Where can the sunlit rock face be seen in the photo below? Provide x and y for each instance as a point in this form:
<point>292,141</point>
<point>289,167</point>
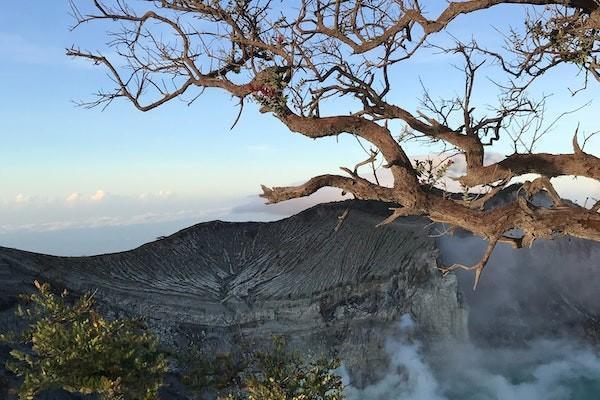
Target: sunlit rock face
<point>227,286</point>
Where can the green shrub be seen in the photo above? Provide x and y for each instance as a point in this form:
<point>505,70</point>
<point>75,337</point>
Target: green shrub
<point>70,346</point>
<point>200,373</point>
<point>281,375</point>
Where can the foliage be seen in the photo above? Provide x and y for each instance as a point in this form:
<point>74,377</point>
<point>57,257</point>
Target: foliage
<point>431,174</point>
<point>199,373</point>
<point>267,89</point>
<point>281,375</point>
<point>70,346</point>
<point>570,37</point>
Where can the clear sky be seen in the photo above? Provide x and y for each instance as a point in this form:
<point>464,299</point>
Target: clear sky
<point>75,181</point>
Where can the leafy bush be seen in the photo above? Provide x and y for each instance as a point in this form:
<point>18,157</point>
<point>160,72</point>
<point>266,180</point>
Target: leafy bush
<point>200,373</point>
<point>72,347</point>
<point>280,375</point>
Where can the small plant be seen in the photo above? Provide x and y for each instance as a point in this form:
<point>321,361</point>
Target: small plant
<point>431,174</point>
<point>267,89</point>
<point>74,348</point>
<point>281,375</point>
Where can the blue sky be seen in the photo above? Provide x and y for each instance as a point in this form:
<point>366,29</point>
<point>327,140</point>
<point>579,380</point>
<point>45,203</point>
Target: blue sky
<point>64,169</point>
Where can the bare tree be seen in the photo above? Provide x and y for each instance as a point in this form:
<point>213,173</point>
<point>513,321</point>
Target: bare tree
<point>293,57</point>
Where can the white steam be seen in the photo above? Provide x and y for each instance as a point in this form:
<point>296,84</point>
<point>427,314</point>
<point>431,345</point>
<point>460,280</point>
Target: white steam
<point>409,378</point>
<point>544,369</point>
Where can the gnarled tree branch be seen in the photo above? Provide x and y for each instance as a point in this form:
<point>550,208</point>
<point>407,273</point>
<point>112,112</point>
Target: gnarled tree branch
<point>295,62</point>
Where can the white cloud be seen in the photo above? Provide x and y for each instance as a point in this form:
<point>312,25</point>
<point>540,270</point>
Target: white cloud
<point>164,193</point>
<point>77,210</point>
<point>25,213</point>
<point>160,195</point>
<point>114,221</point>
<point>583,191</point>
<point>98,196</point>
<point>21,199</point>
<point>73,198</point>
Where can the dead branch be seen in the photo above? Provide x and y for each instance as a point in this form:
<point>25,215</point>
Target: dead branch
<point>478,267</point>
<point>341,219</point>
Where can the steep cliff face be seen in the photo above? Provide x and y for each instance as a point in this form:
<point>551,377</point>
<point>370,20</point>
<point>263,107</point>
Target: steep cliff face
<point>229,284</point>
